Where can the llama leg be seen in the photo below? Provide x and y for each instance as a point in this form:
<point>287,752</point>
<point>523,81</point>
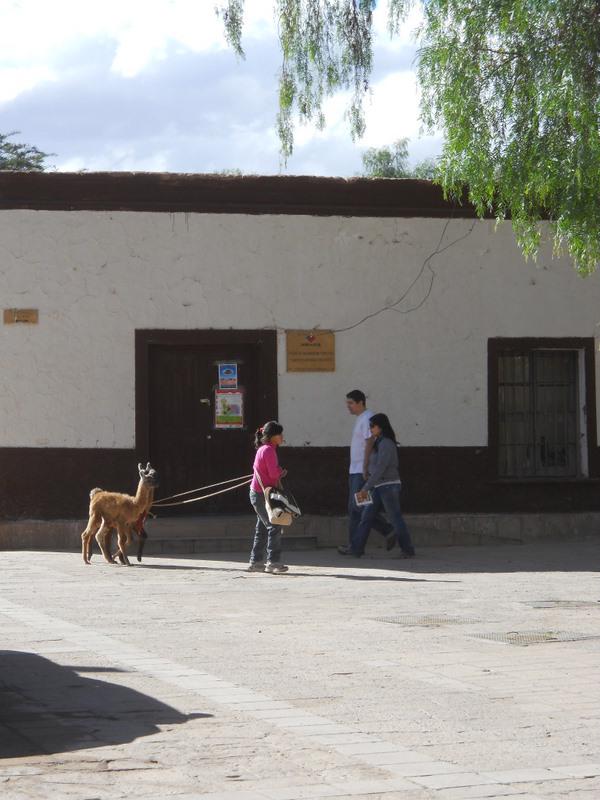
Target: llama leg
<point>142,541</point>
<point>108,540</point>
<point>119,553</point>
<point>86,537</point>
<point>103,539</point>
<point>123,541</point>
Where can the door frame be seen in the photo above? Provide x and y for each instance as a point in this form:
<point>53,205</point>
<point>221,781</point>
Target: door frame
<point>145,339</point>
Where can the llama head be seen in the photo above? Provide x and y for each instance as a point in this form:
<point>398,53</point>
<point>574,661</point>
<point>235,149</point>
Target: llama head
<point>148,475</point>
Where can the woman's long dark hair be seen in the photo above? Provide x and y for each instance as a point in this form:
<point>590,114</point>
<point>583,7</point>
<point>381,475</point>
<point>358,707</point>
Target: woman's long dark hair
<point>263,435</point>
<point>387,432</point>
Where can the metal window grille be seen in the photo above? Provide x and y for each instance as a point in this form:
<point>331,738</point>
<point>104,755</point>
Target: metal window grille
<point>538,414</point>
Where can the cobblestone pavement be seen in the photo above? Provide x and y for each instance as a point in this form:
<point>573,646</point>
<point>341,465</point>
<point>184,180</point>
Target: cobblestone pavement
<point>465,673</point>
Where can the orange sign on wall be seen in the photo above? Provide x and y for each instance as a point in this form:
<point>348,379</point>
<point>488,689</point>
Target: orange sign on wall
<point>28,316</point>
<point>310,351</point>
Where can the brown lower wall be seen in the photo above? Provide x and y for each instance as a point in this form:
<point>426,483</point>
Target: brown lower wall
<point>54,483</point>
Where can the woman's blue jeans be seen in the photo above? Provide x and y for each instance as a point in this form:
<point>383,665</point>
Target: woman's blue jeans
<point>380,524</point>
<point>385,497</point>
<point>266,536</point>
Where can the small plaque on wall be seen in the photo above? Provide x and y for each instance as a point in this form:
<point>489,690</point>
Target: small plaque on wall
<point>27,316</point>
<point>310,351</point>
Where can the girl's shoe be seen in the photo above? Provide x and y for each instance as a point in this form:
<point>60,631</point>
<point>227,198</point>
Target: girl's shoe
<point>276,569</point>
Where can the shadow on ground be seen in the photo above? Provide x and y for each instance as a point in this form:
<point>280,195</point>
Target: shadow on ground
<point>540,557</point>
<point>48,708</point>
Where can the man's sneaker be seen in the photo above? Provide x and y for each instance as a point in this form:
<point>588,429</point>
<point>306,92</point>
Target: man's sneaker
<point>344,550</point>
<point>390,541</point>
<point>276,569</point>
<point>255,566</point>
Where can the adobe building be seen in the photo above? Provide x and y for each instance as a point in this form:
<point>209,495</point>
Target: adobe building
<point>164,317</point>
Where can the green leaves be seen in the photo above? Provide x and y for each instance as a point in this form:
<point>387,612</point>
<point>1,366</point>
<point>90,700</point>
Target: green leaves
<point>20,157</point>
<point>232,14</point>
<point>518,100</point>
<point>514,85</point>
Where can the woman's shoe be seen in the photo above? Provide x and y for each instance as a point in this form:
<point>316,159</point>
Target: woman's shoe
<point>276,569</point>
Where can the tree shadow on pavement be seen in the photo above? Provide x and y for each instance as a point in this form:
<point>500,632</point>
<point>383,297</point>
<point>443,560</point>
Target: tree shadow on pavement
<point>48,708</point>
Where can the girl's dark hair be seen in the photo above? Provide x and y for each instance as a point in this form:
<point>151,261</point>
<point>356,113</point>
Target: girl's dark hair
<point>262,435</point>
<point>387,432</point>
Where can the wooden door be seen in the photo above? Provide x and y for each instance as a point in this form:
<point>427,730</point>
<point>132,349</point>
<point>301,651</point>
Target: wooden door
<point>185,444</point>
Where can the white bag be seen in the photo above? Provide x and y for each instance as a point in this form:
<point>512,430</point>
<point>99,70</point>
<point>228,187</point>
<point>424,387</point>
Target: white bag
<point>276,513</point>
<point>281,509</point>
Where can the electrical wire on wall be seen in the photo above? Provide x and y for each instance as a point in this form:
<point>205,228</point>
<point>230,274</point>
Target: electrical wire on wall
<point>426,265</point>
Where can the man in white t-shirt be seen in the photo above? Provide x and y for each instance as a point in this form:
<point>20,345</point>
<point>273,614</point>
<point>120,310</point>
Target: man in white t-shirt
<point>360,448</point>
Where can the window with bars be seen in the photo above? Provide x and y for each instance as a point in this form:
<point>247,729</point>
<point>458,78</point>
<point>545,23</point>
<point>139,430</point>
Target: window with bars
<point>538,413</point>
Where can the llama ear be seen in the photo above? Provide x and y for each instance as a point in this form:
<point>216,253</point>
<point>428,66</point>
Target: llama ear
<point>140,468</point>
<point>148,467</point>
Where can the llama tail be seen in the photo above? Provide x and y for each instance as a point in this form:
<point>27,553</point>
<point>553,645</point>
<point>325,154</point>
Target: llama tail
<point>95,491</point>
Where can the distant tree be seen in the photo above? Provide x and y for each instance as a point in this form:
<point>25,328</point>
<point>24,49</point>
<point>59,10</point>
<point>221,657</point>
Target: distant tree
<point>387,162</point>
<point>392,162</point>
<point>21,157</point>
<point>426,170</point>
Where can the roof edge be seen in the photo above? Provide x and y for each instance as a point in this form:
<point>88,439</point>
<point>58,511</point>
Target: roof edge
<point>226,194</point>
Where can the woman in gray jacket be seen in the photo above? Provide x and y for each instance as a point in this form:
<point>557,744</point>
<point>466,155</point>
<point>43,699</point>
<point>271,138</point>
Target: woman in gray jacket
<point>384,484</point>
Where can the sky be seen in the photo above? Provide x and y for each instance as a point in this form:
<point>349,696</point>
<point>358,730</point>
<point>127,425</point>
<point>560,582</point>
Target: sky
<point>151,85</point>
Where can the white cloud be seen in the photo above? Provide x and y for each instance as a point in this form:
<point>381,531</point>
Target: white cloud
<point>34,34</point>
<point>391,112</point>
<point>153,85</point>
<point>16,80</point>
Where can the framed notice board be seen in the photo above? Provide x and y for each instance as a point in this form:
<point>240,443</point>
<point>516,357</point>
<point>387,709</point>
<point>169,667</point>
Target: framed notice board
<point>310,351</point>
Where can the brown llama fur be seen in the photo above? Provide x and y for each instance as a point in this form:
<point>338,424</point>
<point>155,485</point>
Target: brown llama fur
<point>110,510</point>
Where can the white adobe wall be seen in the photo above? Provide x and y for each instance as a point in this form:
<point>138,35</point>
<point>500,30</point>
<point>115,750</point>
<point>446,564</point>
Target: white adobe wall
<point>97,276</point>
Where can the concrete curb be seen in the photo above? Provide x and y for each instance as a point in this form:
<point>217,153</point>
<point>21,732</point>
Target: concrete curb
<point>234,533</point>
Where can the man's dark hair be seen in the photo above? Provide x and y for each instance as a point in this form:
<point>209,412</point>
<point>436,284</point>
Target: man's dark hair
<point>357,396</point>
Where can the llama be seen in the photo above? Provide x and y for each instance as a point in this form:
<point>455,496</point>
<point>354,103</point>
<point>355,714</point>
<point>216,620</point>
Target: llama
<point>110,510</point>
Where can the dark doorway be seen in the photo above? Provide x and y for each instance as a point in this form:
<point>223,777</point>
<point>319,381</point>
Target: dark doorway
<point>176,428</point>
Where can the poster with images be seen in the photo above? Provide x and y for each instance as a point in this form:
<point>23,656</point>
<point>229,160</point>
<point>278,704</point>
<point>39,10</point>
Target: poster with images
<point>229,408</point>
<point>228,376</point>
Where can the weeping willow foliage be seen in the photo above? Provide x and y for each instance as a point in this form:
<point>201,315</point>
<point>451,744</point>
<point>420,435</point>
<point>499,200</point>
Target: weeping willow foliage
<point>513,84</point>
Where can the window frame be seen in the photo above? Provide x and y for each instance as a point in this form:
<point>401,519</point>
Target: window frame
<point>587,452</point>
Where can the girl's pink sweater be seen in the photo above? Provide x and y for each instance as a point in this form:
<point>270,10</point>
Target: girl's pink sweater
<point>267,466</point>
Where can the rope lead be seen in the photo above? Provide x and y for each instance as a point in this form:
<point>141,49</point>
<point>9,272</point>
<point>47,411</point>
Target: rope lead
<point>204,497</point>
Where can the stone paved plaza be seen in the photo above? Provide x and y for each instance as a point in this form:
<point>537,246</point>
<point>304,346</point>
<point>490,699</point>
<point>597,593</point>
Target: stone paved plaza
<point>465,673</point>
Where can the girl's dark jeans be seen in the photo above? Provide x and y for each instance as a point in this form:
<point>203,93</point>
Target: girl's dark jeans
<point>266,536</point>
<point>385,497</point>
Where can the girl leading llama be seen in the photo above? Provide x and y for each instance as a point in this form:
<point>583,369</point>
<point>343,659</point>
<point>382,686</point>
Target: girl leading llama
<point>266,468</point>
